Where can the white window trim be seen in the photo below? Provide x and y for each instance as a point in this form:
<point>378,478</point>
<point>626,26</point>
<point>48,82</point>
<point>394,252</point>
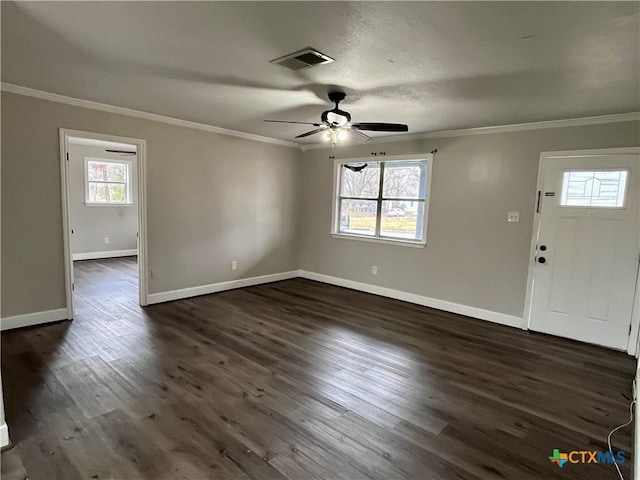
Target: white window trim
<point>128,163</point>
<point>335,220</point>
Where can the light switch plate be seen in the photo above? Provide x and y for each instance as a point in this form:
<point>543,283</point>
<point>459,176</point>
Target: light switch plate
<point>513,217</point>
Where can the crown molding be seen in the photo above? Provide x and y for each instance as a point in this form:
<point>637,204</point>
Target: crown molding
<point>517,127</point>
<point>570,122</point>
<point>76,102</point>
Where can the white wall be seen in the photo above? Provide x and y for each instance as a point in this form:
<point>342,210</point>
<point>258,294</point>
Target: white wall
<point>91,224</point>
<point>211,199</point>
<point>473,257</point>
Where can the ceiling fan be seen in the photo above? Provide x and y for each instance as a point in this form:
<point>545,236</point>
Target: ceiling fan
<point>336,123</point>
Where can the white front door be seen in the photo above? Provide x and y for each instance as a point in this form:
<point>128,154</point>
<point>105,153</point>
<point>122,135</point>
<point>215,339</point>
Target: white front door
<point>587,249</point>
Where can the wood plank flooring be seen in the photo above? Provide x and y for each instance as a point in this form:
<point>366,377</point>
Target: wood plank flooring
<point>299,380</point>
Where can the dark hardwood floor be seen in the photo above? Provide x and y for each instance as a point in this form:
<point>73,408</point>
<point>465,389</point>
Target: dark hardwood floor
<point>299,380</point>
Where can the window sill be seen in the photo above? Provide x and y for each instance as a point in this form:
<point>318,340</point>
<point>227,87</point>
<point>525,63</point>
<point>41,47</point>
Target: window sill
<point>88,204</point>
<point>388,241</point>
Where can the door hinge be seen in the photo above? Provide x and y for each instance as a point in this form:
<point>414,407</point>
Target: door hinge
<point>629,329</point>
<point>73,287</point>
<point>67,156</point>
<point>538,205</point>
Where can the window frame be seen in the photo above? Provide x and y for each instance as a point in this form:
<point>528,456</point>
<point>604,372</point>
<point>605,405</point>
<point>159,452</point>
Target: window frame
<point>335,232</point>
<point>128,182</point>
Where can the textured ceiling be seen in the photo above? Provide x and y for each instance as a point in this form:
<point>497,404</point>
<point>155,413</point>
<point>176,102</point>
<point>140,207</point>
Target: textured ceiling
<point>432,65</point>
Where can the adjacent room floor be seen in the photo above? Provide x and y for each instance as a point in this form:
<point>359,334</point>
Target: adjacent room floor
<point>299,380</point>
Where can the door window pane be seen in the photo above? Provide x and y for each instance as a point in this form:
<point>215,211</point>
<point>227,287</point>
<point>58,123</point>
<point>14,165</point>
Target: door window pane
<point>588,188</point>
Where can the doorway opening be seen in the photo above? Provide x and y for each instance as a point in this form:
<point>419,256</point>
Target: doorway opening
<point>104,222</point>
<point>585,252</point>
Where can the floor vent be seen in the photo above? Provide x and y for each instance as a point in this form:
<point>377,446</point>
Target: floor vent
<point>306,58</point>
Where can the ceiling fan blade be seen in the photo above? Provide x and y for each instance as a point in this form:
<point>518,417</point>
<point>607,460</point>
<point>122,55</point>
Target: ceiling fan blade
<point>317,130</point>
<point>286,121</point>
<point>362,136</point>
<point>381,127</point>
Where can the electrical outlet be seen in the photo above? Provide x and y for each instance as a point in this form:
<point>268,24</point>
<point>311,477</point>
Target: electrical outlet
<point>374,270</point>
<point>234,265</point>
<point>106,240</point>
<point>513,217</point>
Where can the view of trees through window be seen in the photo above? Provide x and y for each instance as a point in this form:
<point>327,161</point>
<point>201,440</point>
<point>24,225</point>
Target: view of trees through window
<point>384,199</point>
<point>107,182</point>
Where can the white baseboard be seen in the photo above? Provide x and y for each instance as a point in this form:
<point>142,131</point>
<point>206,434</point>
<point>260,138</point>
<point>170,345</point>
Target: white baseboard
<point>495,317</point>
<point>636,427</point>
<point>110,254</point>
<point>4,435</point>
<point>501,318</point>
<point>218,287</point>
<point>29,319</point>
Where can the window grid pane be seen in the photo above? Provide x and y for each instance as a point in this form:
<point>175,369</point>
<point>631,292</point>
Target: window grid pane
<point>97,192</point>
<point>116,172</point>
<point>402,220</point>
<point>97,171</point>
<point>403,180</point>
<point>358,217</point>
<point>118,192</point>
<point>360,184</point>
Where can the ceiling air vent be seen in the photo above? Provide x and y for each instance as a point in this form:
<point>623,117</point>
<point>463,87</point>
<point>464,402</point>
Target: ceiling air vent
<point>303,59</point>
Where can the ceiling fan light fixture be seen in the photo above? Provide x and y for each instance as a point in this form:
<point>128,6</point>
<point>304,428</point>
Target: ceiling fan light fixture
<point>337,118</point>
<point>333,135</point>
<point>336,124</point>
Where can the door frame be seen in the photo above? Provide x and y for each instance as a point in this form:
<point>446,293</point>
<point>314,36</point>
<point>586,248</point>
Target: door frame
<point>634,335</point>
<point>141,150</point>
